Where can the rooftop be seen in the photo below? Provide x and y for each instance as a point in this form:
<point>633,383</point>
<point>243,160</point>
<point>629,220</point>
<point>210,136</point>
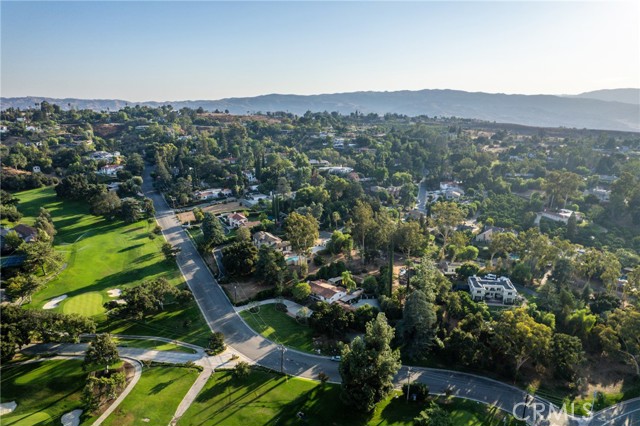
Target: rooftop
<point>490,280</point>
<point>324,289</point>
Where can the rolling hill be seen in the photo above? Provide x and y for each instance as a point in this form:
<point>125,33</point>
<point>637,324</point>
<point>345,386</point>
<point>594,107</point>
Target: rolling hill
<point>581,111</point>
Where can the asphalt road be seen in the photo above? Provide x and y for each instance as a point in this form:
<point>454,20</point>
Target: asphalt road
<point>220,315</point>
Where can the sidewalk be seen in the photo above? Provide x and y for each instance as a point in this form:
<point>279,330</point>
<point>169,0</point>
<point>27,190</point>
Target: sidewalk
<point>292,307</point>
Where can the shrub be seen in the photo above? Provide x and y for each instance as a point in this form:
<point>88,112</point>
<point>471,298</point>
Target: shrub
<point>418,392</point>
<point>323,377</point>
<point>242,370</point>
<point>216,343</point>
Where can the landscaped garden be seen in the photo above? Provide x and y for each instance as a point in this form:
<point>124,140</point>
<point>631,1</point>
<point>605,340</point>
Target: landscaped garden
<point>155,397</point>
<point>44,391</point>
<point>265,398</point>
<point>103,256</point>
<point>279,327</point>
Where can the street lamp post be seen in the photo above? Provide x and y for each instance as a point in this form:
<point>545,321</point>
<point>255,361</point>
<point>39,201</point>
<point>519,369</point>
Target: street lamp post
<point>235,293</point>
<point>408,382</point>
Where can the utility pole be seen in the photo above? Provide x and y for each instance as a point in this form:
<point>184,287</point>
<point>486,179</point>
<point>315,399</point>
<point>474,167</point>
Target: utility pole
<point>524,408</point>
<point>282,351</point>
<point>408,382</point>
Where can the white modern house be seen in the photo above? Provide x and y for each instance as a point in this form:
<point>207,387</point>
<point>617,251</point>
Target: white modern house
<point>561,215</point>
<point>209,194</point>
<point>110,170</point>
<point>492,288</point>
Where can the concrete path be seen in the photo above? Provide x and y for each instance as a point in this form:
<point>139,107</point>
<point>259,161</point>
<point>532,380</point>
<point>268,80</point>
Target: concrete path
<point>188,399</point>
<point>226,360</point>
<point>292,307</point>
<point>137,365</point>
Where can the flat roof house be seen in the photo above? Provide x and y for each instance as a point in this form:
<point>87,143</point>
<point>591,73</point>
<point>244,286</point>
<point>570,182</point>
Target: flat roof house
<point>110,170</point>
<point>492,288</point>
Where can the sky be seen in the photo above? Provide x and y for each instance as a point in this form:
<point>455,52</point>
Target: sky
<point>144,50</point>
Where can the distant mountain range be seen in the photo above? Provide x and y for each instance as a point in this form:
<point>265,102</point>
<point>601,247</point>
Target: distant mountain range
<point>617,109</point>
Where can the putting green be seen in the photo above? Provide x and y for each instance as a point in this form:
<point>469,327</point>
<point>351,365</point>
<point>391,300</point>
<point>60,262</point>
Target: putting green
<point>87,304</point>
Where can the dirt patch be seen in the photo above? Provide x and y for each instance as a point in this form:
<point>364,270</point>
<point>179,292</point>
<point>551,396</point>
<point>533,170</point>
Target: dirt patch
<point>245,289</point>
<point>215,209</point>
<point>608,377</point>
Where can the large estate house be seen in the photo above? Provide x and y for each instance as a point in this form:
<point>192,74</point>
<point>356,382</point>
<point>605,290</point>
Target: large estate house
<point>492,288</point>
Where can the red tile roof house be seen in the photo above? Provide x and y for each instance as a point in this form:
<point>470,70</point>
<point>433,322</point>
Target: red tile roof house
<point>236,220</point>
<point>326,292</point>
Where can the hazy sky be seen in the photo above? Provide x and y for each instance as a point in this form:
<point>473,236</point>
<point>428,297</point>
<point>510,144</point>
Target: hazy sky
<point>208,50</point>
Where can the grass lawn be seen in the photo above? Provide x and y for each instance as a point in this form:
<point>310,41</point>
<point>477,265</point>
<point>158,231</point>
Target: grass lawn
<point>184,323</point>
<point>87,304</point>
<point>44,391</point>
<point>103,255</point>
<point>100,254</point>
<point>280,327</point>
<point>156,345</point>
<point>155,397</point>
<point>265,398</point>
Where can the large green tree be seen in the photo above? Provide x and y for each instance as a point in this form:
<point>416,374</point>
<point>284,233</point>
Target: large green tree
<point>446,216</point>
<point>212,231</point>
<point>271,266</point>
<point>418,326</point>
<point>102,351</point>
<point>240,258</point>
<point>369,365</point>
<point>521,339</point>
<point>301,231</point>
<point>40,253</point>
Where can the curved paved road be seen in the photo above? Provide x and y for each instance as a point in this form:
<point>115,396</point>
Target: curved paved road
<point>221,316</point>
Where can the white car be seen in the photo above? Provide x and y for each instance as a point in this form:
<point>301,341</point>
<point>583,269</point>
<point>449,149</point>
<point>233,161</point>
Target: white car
<point>336,358</point>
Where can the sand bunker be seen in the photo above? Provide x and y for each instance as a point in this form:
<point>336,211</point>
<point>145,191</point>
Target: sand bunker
<point>53,303</point>
<point>7,407</point>
<point>116,292</point>
<point>72,418</point>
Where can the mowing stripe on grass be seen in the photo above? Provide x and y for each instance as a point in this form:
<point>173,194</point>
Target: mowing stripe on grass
<point>87,304</point>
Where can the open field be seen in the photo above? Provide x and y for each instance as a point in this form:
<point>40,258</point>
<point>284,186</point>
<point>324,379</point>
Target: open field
<point>155,398</point>
<point>280,327</point>
<point>184,323</point>
<point>266,398</point>
<point>43,390</point>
